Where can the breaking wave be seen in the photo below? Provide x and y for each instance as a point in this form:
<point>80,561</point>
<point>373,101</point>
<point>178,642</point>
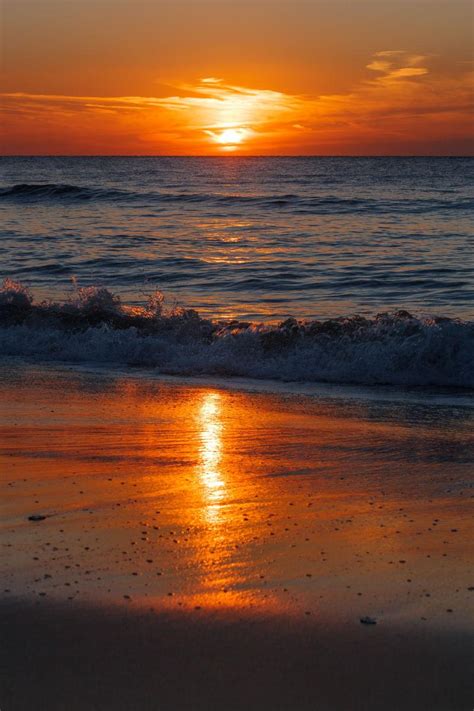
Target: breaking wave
<point>94,326</point>
<point>297,204</point>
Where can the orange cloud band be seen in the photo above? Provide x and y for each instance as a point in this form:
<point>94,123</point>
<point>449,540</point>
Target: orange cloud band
<point>400,107</point>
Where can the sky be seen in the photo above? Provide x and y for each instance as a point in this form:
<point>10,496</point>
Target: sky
<point>231,77</point>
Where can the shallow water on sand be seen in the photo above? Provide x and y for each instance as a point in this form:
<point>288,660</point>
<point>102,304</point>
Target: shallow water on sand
<point>192,497</point>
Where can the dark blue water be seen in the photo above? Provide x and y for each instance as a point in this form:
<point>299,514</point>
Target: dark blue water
<point>258,238</point>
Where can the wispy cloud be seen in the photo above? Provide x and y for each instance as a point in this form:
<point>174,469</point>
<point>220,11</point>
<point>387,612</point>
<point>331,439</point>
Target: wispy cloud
<point>399,103</point>
<point>397,64</point>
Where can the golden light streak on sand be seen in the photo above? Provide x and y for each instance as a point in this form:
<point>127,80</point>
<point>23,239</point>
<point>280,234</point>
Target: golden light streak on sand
<point>210,434</point>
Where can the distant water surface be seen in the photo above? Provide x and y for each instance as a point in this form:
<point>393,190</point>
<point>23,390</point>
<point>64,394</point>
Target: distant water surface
<point>256,238</point>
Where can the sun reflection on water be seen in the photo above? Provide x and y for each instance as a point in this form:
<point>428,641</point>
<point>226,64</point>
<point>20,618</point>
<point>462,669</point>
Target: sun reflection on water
<point>210,451</point>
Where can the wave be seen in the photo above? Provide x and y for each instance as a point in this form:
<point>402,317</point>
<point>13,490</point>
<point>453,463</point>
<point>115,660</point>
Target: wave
<point>51,191</point>
<point>299,204</point>
<point>94,326</point>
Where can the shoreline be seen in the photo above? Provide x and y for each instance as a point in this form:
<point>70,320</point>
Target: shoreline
<point>436,395</point>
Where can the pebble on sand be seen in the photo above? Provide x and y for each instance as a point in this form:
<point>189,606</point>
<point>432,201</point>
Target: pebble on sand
<point>36,517</point>
<point>368,620</point>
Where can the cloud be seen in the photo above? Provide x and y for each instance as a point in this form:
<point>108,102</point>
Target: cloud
<point>401,102</point>
<point>211,80</point>
<point>397,64</point>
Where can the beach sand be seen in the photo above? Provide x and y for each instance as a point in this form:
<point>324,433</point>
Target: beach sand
<point>213,547</point>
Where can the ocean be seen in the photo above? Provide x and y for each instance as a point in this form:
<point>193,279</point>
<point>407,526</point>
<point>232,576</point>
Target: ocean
<point>347,270</point>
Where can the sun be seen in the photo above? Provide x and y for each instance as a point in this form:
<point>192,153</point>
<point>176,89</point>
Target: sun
<point>229,138</point>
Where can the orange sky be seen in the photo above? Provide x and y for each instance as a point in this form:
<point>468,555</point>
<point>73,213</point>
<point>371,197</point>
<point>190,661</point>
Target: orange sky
<point>220,77</point>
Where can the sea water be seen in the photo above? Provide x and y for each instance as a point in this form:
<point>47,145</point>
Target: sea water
<point>336,269</point>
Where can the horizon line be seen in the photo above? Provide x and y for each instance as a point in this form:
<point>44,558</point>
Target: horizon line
<point>234,156</point>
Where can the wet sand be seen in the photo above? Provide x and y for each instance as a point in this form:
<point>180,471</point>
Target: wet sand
<point>84,657</point>
<point>205,547</point>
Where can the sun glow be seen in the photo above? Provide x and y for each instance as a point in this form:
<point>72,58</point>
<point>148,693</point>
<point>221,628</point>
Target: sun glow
<point>229,138</point>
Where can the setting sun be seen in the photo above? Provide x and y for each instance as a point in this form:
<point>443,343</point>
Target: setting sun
<point>230,137</point>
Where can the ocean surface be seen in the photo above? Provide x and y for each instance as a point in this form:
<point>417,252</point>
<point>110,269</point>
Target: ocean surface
<point>371,257</point>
